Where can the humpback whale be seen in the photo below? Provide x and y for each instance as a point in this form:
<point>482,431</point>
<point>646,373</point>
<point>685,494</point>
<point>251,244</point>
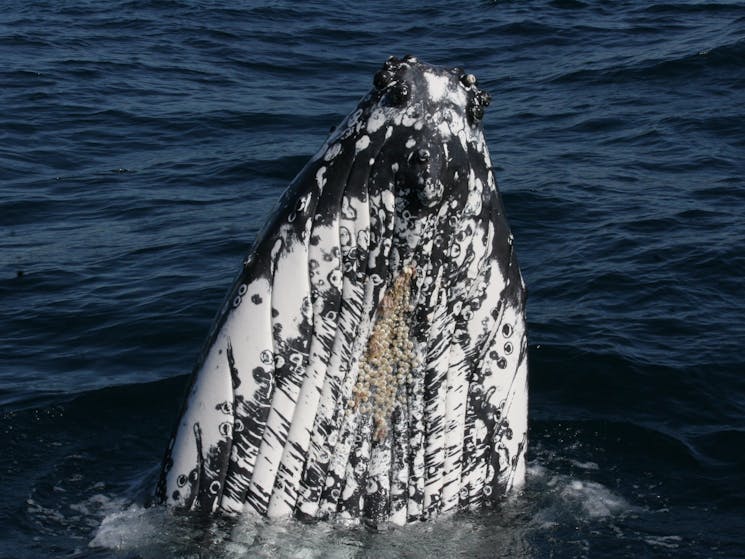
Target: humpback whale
<point>370,360</point>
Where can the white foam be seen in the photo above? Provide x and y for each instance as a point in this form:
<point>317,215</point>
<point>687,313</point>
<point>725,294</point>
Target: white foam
<point>549,500</point>
<point>668,542</point>
<point>569,496</point>
<point>596,500</point>
<point>584,465</point>
<point>127,529</point>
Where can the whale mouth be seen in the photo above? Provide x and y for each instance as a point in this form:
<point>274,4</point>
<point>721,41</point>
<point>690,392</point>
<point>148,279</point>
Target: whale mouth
<point>370,359</point>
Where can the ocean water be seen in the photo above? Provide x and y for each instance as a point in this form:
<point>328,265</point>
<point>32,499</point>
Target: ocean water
<point>142,143</point>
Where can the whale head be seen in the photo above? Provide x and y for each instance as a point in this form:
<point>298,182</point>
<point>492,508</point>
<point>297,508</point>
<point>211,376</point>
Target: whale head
<point>369,361</point>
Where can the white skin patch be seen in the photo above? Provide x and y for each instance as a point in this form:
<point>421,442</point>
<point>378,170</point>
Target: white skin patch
<point>409,117</point>
<point>438,86</point>
<point>463,139</point>
<point>332,152</point>
<point>473,203</point>
<point>410,143</point>
<point>361,144</point>
<point>376,120</point>
<point>444,129</point>
<point>321,178</point>
<point>389,200</point>
<point>457,124</point>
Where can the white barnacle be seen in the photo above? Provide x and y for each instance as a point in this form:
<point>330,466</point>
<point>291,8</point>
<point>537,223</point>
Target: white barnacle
<point>386,364</point>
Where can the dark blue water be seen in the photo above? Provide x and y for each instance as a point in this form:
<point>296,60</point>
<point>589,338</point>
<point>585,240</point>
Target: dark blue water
<point>142,143</point>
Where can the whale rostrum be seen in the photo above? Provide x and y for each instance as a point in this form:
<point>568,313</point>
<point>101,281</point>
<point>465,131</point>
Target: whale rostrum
<point>370,360</point>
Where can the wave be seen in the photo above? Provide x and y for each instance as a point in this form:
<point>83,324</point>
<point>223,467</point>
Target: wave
<point>719,60</point>
<point>698,8</point>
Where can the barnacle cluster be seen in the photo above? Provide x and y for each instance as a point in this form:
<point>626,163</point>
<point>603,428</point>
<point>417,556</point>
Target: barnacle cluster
<point>385,367</point>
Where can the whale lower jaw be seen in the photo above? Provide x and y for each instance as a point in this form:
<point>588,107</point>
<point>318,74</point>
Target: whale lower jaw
<point>370,359</point>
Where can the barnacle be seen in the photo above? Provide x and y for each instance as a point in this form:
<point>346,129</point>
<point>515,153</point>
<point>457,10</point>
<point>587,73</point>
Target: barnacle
<point>386,365</point>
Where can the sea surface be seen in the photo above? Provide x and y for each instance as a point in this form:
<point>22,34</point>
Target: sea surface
<point>143,142</point>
